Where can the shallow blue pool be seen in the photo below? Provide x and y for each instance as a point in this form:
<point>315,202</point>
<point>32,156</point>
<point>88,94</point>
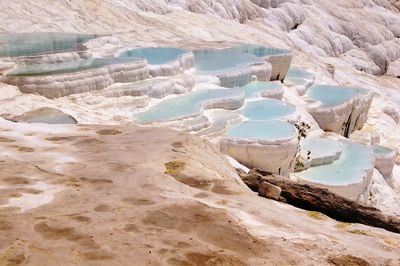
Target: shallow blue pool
<point>257,50</point>
<point>333,95</point>
<point>155,55</point>
<point>267,109</point>
<point>300,73</point>
<point>254,88</point>
<point>217,61</point>
<point>186,105</point>
<point>320,150</point>
<point>320,147</point>
<point>67,66</point>
<point>381,150</point>
<point>36,43</point>
<point>351,167</point>
<point>267,130</point>
<point>289,81</point>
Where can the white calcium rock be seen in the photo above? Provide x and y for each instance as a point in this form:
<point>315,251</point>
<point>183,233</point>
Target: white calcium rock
<point>155,88</point>
<point>392,112</point>
<point>176,67</point>
<point>344,118</point>
<point>55,86</point>
<point>384,161</point>
<point>273,155</point>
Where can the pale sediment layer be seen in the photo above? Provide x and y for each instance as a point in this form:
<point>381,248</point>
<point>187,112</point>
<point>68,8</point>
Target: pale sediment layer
<point>54,86</point>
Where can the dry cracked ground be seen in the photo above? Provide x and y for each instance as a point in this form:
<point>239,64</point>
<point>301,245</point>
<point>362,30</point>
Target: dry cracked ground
<point>98,195</point>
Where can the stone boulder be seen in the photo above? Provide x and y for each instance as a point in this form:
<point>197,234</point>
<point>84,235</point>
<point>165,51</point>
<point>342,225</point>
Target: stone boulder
<point>270,191</point>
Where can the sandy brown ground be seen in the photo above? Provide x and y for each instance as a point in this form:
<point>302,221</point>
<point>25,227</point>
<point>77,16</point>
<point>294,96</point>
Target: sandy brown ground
<point>146,196</point>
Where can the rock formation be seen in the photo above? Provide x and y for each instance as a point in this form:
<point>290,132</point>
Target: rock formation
<point>322,200</point>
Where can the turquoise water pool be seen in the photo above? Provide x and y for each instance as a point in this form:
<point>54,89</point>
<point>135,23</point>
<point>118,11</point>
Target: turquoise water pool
<point>155,55</point>
<point>333,95</point>
<point>254,88</point>
<point>267,109</point>
<point>215,61</point>
<point>351,167</point>
<point>300,73</point>
<point>257,50</point>
<point>381,150</point>
<point>36,43</point>
<point>289,81</point>
<point>320,147</point>
<point>187,105</point>
<point>320,150</point>
<point>67,66</point>
<point>262,130</point>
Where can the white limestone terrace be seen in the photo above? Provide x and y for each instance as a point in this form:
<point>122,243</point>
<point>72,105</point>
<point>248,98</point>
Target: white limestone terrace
<point>384,160</point>
<point>263,89</point>
<point>220,120</point>
<point>29,44</point>
<point>339,109</point>
<point>269,109</point>
<point>158,87</point>
<point>299,79</point>
<point>193,104</point>
<point>349,176</point>
<point>62,65</point>
<point>83,75</point>
<point>163,61</point>
<point>317,151</point>
<point>194,124</point>
<point>232,68</point>
<point>279,59</point>
<point>268,145</point>
<point>31,48</point>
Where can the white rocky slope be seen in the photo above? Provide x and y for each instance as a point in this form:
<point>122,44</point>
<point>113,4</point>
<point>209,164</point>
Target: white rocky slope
<point>318,27</point>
